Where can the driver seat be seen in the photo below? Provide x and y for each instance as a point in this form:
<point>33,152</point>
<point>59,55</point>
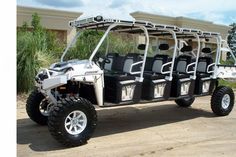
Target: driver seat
<point>120,69</point>
<point>112,57</point>
<point>119,80</point>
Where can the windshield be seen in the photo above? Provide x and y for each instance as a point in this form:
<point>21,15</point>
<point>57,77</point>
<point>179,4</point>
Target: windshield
<point>82,45</point>
<point>85,42</point>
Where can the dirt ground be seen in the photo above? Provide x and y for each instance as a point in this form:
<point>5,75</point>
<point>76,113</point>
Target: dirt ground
<point>156,129</point>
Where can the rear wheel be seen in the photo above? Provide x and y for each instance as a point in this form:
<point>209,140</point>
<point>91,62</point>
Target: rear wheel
<point>222,101</point>
<point>185,102</point>
<point>72,121</point>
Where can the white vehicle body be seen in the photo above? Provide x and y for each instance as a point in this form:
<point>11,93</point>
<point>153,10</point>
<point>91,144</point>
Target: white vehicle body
<point>87,72</point>
<point>83,72</point>
<point>68,90</point>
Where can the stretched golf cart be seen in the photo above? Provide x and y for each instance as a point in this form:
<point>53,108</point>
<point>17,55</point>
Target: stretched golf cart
<point>67,92</point>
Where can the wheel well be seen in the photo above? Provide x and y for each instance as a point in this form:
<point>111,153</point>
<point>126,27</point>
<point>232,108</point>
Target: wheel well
<point>87,91</point>
<point>77,88</point>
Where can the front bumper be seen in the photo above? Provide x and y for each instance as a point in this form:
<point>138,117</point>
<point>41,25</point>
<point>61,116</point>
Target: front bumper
<point>47,79</point>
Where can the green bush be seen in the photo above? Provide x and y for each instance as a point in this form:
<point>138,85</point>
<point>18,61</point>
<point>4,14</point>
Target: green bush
<point>31,55</point>
<point>54,45</point>
<point>231,84</point>
<point>122,44</point>
<point>85,45</point>
<point>33,52</point>
<point>88,40</point>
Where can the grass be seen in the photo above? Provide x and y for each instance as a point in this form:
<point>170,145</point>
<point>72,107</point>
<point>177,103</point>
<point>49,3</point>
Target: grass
<point>231,84</point>
<point>31,56</point>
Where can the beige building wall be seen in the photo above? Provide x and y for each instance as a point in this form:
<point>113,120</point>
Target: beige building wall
<point>54,20</point>
<point>57,21</point>
<point>182,22</point>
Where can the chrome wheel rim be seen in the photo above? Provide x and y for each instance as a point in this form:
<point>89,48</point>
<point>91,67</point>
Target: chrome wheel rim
<point>75,122</point>
<point>44,107</point>
<point>225,101</point>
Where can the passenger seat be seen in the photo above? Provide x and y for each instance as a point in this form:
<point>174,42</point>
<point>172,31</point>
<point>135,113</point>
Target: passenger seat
<point>120,85</point>
<point>182,84</point>
<point>157,63</point>
<point>204,82</point>
<point>155,86</point>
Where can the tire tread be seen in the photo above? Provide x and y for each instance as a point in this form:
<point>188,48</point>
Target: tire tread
<point>57,114</point>
<point>185,103</point>
<point>32,107</point>
<point>216,99</point>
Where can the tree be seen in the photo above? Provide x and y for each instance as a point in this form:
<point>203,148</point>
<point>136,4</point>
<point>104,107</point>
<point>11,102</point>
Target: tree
<point>232,38</point>
<point>35,23</point>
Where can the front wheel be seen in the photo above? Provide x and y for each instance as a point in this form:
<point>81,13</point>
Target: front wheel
<point>185,102</point>
<point>222,101</point>
<point>37,107</point>
<point>72,121</point>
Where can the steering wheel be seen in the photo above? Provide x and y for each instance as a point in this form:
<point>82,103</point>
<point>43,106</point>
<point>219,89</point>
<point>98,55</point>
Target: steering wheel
<point>106,60</point>
<point>101,61</point>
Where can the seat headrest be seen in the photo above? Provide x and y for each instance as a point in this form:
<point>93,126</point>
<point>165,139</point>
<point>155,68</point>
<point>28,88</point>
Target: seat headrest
<point>206,50</point>
<point>186,48</point>
<point>164,47</point>
<point>141,46</point>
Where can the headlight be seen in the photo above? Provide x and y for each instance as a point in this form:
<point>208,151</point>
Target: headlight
<point>42,75</point>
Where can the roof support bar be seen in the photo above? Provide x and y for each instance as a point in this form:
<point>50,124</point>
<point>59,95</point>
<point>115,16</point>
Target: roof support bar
<point>175,51</point>
<point>122,24</point>
<point>198,54</point>
<point>73,41</point>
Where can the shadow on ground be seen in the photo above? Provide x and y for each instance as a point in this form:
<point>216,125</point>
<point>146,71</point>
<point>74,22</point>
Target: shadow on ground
<point>110,121</point>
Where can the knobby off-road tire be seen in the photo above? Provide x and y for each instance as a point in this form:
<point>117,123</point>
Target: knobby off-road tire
<point>33,107</point>
<point>72,121</point>
<point>222,101</point>
<point>185,102</point>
